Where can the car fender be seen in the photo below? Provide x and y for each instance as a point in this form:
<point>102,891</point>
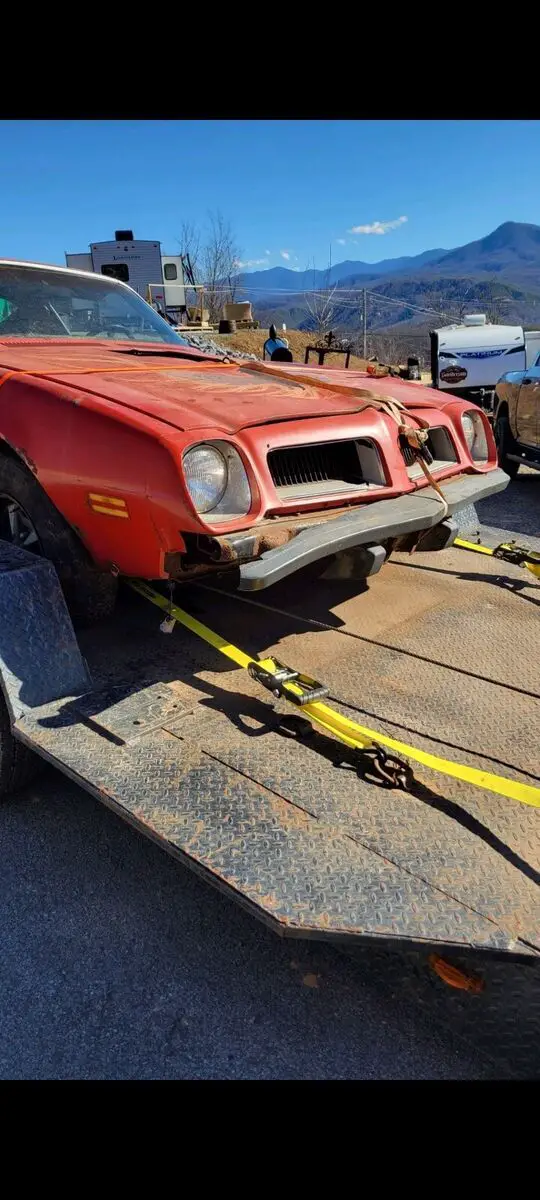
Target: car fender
<point>79,450</point>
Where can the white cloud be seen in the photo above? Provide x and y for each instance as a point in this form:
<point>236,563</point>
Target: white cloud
<point>286,254</point>
<point>267,252</point>
<point>252,262</point>
<point>341,241</point>
<point>379,226</point>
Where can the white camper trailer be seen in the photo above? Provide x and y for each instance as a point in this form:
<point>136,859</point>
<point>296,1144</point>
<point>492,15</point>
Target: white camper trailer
<point>157,277</point>
<point>469,359</point>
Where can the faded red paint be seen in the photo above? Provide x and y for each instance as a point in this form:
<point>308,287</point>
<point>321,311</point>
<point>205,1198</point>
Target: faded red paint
<point>122,432</point>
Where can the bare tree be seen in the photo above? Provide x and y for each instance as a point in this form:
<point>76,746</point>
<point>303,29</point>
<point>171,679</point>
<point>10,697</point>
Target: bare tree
<point>495,310</point>
<point>220,265</point>
<point>322,304</point>
<point>190,246</point>
<point>190,249</point>
<point>213,256</point>
<point>463,302</point>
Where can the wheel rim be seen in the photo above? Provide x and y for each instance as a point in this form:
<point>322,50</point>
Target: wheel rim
<point>16,526</point>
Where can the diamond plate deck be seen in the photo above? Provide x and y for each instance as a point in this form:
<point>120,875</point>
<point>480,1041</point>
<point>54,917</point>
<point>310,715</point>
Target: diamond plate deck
<point>440,650</point>
<point>288,827</point>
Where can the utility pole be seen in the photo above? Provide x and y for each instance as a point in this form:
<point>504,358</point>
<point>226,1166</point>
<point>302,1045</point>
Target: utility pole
<point>364,320</point>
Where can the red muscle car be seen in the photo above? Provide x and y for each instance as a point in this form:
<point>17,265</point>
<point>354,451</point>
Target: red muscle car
<point>124,451</point>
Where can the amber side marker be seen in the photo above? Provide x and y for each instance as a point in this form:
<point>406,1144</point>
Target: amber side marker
<point>454,977</point>
<point>112,506</point>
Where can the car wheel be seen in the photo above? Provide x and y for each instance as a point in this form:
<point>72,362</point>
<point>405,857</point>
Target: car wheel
<point>505,445</point>
<point>18,764</point>
<point>28,519</point>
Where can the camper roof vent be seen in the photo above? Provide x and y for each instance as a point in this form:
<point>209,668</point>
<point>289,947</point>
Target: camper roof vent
<point>123,235</point>
<point>475,319</point>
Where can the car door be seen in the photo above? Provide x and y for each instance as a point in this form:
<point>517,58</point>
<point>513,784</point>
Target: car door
<point>528,407</point>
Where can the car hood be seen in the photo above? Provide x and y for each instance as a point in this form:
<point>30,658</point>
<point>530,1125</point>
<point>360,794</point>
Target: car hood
<point>198,392</point>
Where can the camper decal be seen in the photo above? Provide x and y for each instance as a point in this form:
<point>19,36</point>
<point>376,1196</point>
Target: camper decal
<point>481,353</point>
<point>453,374</point>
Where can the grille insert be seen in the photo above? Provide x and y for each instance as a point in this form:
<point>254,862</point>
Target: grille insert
<point>330,463</point>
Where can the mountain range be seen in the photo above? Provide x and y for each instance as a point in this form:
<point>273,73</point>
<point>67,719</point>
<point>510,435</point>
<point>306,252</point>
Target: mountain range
<point>282,278</point>
<point>498,274</point>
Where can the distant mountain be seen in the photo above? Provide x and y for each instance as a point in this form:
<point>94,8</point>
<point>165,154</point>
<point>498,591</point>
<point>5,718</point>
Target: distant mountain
<point>498,274</point>
<point>512,250</point>
<point>281,279</point>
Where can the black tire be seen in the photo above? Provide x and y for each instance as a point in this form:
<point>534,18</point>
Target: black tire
<point>18,765</point>
<point>505,446</point>
<point>90,594</point>
<point>227,327</point>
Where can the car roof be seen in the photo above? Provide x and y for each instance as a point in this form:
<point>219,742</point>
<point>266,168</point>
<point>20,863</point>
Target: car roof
<point>21,262</point>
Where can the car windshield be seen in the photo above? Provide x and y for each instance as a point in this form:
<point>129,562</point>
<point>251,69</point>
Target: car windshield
<point>40,303</point>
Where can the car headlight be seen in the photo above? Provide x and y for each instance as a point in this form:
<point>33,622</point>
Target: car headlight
<point>475,435</point>
<point>216,480</point>
<point>205,472</point>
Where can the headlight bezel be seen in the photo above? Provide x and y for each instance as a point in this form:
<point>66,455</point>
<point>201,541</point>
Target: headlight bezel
<point>235,500</point>
<point>476,439</point>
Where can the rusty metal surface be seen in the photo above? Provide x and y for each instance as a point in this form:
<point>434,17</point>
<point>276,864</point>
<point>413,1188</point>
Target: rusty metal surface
<point>299,873</point>
<point>126,715</point>
<point>289,827</point>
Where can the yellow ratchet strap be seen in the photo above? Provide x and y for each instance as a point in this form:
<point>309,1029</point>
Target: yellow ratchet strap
<point>521,556</point>
<point>356,736</point>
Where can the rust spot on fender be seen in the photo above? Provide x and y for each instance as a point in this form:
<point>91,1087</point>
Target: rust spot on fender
<point>21,453</point>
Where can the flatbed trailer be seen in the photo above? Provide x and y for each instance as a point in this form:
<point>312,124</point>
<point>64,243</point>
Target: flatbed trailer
<point>439,651</point>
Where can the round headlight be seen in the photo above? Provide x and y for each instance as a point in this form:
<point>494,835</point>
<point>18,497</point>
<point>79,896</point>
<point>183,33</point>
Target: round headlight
<point>205,472</point>
<point>475,435</point>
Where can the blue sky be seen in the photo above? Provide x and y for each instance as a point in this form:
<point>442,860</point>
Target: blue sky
<point>290,188</point>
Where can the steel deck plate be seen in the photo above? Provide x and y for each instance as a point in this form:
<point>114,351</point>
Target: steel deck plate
<point>284,825</point>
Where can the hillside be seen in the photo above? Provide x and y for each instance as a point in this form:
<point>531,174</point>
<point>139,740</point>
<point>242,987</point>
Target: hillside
<point>511,251</point>
<point>251,341</point>
<point>498,274</point>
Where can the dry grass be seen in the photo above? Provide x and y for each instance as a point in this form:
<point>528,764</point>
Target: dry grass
<point>251,341</point>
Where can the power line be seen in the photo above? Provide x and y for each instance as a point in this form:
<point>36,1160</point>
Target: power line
<point>337,293</point>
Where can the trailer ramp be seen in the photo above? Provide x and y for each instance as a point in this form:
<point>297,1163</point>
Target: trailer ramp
<point>193,753</point>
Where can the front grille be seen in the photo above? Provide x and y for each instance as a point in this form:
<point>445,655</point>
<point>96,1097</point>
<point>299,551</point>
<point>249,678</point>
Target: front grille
<point>327,462</point>
<point>441,449</point>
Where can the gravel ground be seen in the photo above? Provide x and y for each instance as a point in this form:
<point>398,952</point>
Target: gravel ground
<point>117,963</point>
<point>201,342</point>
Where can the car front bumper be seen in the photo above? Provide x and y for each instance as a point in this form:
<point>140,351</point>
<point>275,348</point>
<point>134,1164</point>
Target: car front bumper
<point>369,525</point>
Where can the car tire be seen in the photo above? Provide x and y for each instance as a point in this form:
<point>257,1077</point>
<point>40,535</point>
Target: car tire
<point>18,764</point>
<point>505,446</point>
<point>90,594</point>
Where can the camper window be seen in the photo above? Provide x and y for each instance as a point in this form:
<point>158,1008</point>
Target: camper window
<point>116,271</point>
<point>170,271</point>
